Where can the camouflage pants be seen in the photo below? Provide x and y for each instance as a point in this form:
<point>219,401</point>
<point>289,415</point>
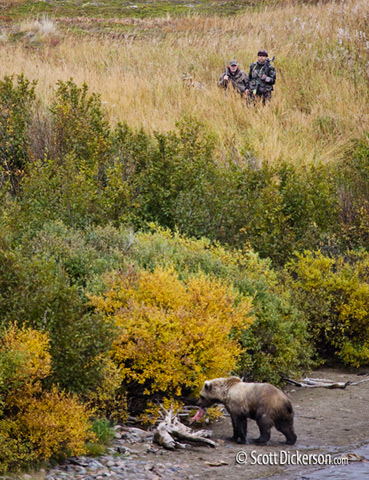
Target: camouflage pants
<point>266,97</point>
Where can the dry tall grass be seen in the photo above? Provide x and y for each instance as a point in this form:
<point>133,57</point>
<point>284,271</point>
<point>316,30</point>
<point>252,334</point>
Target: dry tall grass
<point>321,95</point>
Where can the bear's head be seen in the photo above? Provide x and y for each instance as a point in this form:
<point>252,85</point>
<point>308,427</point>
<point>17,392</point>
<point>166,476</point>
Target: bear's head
<point>216,391</point>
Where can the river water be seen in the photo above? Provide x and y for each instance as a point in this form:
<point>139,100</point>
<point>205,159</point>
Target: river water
<point>352,471</point>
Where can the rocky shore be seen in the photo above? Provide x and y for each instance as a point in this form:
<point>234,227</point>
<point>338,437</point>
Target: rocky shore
<point>132,456</point>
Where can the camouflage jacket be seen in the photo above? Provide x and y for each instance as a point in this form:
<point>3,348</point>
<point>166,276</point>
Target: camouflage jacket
<point>256,72</point>
<point>239,81</point>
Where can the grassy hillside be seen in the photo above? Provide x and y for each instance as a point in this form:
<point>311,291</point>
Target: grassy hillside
<point>139,9</point>
<point>321,97</point>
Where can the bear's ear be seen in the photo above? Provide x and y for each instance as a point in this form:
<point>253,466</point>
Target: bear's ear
<point>207,386</point>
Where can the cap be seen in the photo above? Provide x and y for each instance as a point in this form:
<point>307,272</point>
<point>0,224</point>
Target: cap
<point>233,62</point>
<point>262,53</point>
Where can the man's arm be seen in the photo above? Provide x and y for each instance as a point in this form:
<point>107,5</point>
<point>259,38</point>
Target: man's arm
<point>222,82</point>
<point>250,72</point>
<point>273,75</point>
<point>249,77</point>
<point>246,82</point>
<point>270,77</point>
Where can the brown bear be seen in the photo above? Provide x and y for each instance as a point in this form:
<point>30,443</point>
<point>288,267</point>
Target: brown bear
<point>262,402</point>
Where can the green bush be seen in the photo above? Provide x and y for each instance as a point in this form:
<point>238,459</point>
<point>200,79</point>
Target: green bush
<point>67,181</point>
<point>70,192</point>
<point>352,175</point>
<point>79,125</point>
<point>36,292</point>
<point>179,184</point>
<point>82,255</point>
<point>16,107</point>
<point>125,175</point>
<point>275,209</point>
<point>103,429</point>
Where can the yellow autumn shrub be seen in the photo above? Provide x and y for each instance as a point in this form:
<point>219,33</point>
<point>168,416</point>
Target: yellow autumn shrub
<point>35,424</point>
<point>108,397</point>
<point>53,425</point>
<point>24,361</point>
<point>333,294</point>
<point>173,334</point>
<point>56,425</point>
<point>15,450</point>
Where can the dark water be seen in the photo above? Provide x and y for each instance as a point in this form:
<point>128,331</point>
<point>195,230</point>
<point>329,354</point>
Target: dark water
<point>352,471</point>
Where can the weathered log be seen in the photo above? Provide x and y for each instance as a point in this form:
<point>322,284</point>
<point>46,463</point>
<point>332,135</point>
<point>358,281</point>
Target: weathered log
<point>320,382</point>
<point>163,438</point>
<point>170,430</point>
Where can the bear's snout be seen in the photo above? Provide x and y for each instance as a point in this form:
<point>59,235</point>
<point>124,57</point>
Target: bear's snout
<point>203,402</point>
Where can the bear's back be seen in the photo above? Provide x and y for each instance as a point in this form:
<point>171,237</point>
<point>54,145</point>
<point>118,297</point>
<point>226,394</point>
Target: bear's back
<point>254,395</point>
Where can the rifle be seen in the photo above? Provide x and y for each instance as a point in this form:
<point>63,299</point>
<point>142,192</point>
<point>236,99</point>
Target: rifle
<point>227,73</point>
<point>267,63</point>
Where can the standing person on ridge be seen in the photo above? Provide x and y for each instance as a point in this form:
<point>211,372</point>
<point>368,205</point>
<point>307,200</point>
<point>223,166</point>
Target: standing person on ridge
<point>234,76</point>
<point>262,76</point>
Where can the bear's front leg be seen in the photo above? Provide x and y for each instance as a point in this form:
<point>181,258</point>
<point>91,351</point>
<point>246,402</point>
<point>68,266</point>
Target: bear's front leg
<point>239,423</point>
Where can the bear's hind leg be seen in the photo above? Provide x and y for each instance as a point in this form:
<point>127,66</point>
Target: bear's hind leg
<point>286,427</point>
<point>265,424</point>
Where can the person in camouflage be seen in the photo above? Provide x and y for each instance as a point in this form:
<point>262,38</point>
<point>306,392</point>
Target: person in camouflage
<point>235,77</point>
<point>262,77</point>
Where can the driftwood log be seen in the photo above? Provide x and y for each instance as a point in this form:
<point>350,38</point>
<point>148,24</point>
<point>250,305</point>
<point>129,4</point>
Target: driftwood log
<point>171,432</point>
<point>321,382</point>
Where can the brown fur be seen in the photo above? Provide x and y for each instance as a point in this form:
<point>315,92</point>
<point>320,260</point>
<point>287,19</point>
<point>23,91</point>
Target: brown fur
<point>262,402</point>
